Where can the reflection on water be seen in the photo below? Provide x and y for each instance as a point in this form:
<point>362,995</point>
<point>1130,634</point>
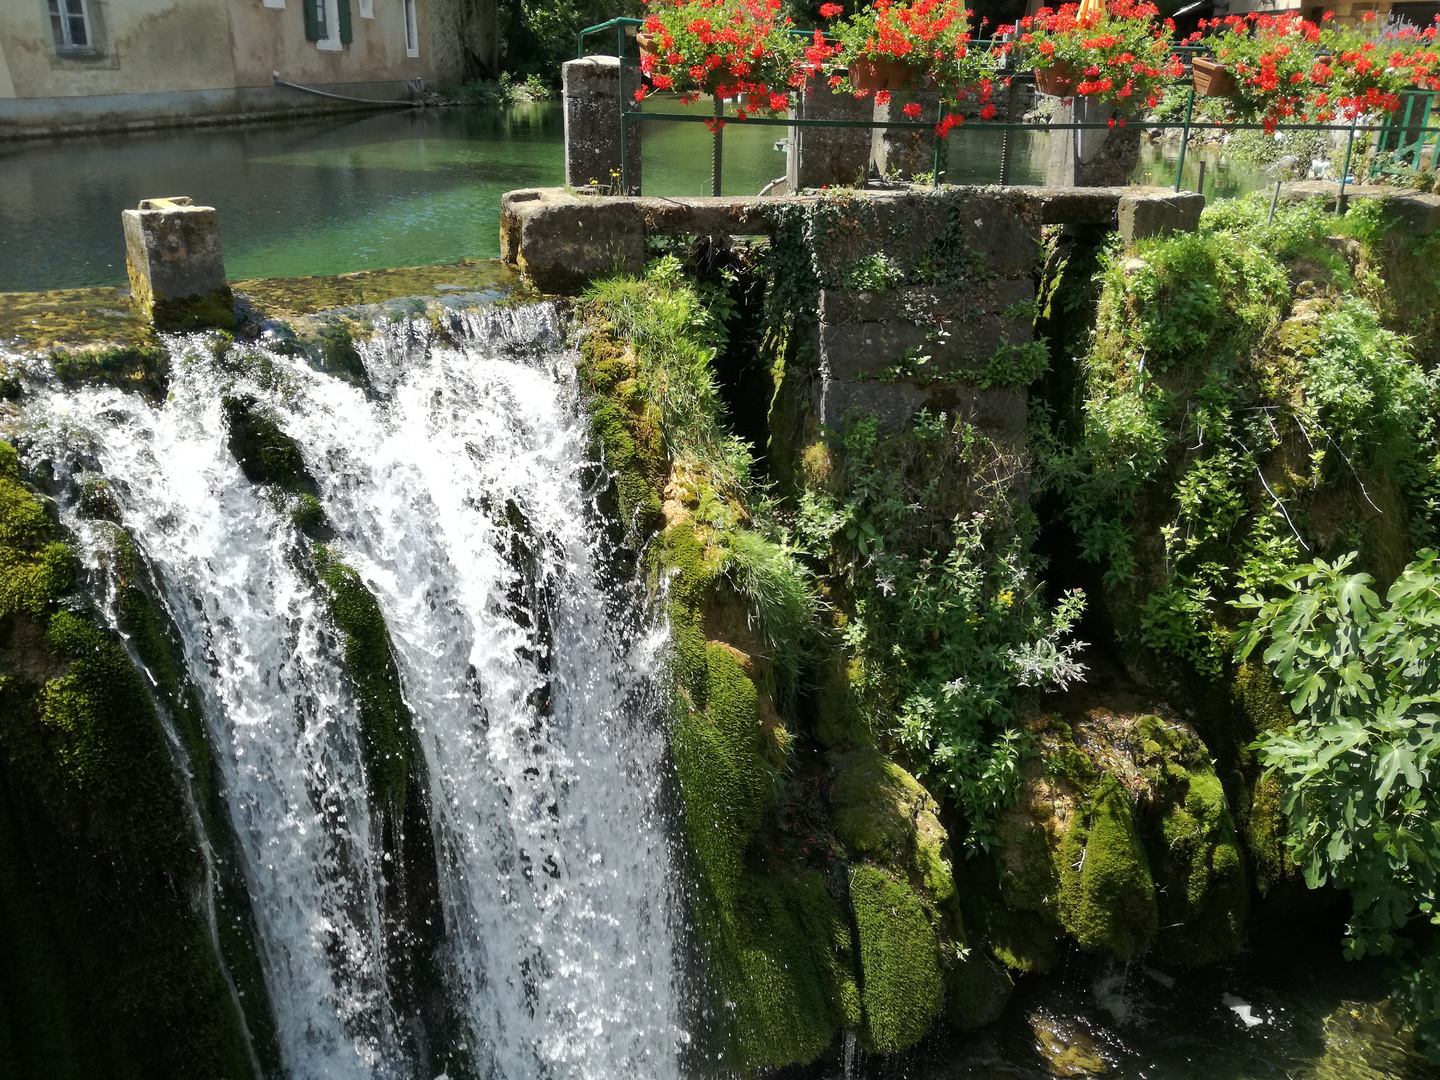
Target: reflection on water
<point>397,189</point>
<point>1291,1009</point>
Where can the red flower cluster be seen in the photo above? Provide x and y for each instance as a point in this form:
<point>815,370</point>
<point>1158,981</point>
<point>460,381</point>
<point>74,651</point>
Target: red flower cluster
<point>1292,69</point>
<point>740,50</point>
<point>1121,55</point>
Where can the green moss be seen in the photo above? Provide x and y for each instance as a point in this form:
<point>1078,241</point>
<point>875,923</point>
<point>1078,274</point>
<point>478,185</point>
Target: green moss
<point>901,984</point>
<point>130,367</point>
<point>387,738</point>
<point>883,814</point>
<point>627,427</point>
<point>301,296</point>
<point>782,954</point>
<point>1107,895</point>
<point>1204,895</point>
<point>338,353</point>
<point>213,310</point>
<point>265,453</point>
<point>34,569</point>
<point>724,778</point>
<point>1263,825</point>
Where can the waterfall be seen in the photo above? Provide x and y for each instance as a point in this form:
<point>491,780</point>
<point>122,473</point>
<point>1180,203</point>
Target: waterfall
<point>457,483</point>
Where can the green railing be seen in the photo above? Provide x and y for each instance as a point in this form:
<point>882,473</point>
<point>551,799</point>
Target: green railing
<point>1400,129</point>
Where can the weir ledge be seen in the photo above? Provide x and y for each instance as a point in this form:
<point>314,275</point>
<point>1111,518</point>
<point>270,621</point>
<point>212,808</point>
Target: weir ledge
<point>560,238</point>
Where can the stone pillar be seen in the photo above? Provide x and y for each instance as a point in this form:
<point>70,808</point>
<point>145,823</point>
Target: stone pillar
<point>903,152</point>
<point>177,270</point>
<point>1094,157</point>
<point>592,122</point>
<point>828,156</point>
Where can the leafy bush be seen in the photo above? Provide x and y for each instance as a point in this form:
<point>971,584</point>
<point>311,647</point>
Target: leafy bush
<point>1361,764</point>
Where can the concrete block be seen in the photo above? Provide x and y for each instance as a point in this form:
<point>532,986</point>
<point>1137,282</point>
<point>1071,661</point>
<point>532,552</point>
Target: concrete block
<point>560,241</point>
<point>592,95</point>
<point>834,157</point>
<point>1419,210</point>
<point>998,227</point>
<point>1090,157</point>
<point>904,152</point>
<point>176,266</point>
<point>1156,213</point>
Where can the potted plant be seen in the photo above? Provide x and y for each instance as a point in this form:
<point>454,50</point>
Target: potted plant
<point>741,50</point>
<point>1210,78</point>
<point>898,44</point>
<point>1371,64</point>
<point>1121,56</point>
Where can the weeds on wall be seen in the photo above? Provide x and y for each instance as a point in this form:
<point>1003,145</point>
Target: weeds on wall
<point>1231,430</point>
<point>927,535</point>
<point>1258,430</point>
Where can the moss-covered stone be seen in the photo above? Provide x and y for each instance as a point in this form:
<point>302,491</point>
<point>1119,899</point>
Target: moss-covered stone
<point>212,310</point>
<point>119,976</point>
<point>387,736</point>
<point>901,985</point>
<point>1107,895</point>
<point>782,956</point>
<point>265,453</point>
<point>628,429</point>
<point>1204,895</point>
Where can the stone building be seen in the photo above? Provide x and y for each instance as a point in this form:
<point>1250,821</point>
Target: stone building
<point>82,65</point>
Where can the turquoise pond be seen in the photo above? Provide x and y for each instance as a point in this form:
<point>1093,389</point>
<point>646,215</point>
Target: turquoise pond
<point>405,188</point>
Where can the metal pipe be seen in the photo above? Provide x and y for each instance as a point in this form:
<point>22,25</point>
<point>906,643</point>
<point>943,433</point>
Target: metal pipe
<point>342,97</point>
<point>1275,198</point>
<point>624,113</point>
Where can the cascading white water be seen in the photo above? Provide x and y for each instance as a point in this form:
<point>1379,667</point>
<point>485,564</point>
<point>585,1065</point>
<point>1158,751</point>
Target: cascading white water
<point>456,487</point>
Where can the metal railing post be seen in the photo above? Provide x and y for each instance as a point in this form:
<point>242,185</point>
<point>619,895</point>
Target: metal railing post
<point>624,117</point>
<point>1185,137</point>
<point>717,146</point>
<point>1340,206</point>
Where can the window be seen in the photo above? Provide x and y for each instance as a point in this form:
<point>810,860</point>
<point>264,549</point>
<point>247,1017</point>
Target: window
<point>412,31</point>
<point>70,23</point>
<point>367,9</point>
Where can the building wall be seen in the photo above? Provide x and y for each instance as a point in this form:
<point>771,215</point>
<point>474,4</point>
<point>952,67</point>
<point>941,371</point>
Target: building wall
<point>177,61</point>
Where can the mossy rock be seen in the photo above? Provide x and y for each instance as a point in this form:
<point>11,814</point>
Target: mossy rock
<point>884,815</point>
<point>145,368</point>
<point>1204,893</point>
<point>902,987</point>
<point>106,965</point>
<point>627,427</point>
<point>388,746</point>
<point>782,956</point>
<point>1107,894</point>
<point>725,782</point>
<point>1263,825</point>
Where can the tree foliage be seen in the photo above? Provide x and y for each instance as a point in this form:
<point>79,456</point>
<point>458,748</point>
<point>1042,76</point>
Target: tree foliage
<point>1361,764</point>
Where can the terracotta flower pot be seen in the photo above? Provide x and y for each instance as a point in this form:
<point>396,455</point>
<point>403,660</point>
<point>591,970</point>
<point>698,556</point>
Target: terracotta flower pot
<point>1057,80</point>
<point>646,43</point>
<point>881,73</point>
<point>1211,79</point>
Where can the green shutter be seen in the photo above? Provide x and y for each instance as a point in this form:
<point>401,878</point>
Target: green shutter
<point>312,21</point>
<point>345,35</point>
